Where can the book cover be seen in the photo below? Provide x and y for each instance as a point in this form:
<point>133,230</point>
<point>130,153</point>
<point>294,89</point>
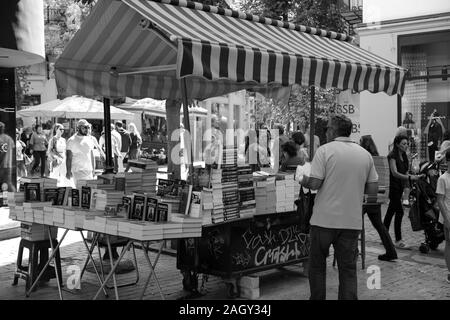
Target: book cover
<point>150,209</point>
<point>138,211</point>
<point>32,191</point>
<point>75,194</point>
<point>126,207</point>
<point>186,196</point>
<point>51,195</point>
<point>119,183</point>
<point>85,197</point>
<point>62,196</point>
<point>162,212</point>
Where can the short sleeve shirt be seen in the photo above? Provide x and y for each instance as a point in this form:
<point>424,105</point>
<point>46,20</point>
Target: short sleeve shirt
<point>395,184</point>
<point>443,188</point>
<point>81,148</point>
<point>345,168</point>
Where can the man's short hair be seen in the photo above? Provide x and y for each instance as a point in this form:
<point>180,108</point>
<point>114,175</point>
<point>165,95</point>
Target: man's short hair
<point>298,137</point>
<point>342,125</point>
<point>119,124</point>
<point>447,155</point>
<point>280,129</point>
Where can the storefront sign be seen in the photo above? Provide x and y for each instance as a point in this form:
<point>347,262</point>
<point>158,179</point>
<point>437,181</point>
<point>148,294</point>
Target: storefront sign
<point>347,103</point>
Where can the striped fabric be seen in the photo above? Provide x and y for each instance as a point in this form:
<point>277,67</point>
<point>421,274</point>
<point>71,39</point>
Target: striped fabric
<point>216,50</point>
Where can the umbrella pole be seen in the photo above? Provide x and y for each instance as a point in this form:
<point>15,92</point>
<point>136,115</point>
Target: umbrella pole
<point>109,166</point>
<point>187,126</point>
<point>311,123</point>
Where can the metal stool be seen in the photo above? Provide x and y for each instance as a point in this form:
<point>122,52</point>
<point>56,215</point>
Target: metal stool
<point>38,257</point>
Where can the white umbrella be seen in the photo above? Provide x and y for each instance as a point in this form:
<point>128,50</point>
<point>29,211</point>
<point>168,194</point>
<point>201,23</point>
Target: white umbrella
<point>74,107</point>
<point>157,108</point>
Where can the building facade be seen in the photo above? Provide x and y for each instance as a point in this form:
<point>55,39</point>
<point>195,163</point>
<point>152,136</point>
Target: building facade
<point>416,36</point>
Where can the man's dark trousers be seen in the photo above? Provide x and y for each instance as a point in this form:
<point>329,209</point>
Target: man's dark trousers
<point>345,243</point>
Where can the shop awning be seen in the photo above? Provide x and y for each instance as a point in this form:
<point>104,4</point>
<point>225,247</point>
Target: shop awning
<point>140,48</point>
<point>74,107</point>
<point>157,108</point>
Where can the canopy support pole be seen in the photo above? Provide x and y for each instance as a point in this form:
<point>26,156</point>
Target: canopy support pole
<point>311,123</point>
<point>109,166</point>
<point>187,126</point>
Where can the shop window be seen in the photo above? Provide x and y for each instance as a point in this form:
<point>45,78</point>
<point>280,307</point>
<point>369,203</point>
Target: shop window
<point>425,105</point>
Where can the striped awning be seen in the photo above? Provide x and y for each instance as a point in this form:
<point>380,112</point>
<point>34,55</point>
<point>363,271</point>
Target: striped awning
<point>141,48</point>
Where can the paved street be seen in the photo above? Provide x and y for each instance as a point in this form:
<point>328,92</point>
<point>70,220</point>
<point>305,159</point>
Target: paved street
<point>412,276</point>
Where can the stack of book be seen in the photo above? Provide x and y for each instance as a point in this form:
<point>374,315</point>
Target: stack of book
<point>119,182</point>
<point>265,193</point>
<point>206,205</point>
<point>15,211</point>
<point>48,215</point>
<point>230,191</point>
<point>247,202</point>
<point>58,216</point>
<point>217,196</point>
<point>148,168</point>
<point>133,182</point>
<point>289,191</point>
<point>28,215</point>
<point>70,221</point>
<point>190,227</point>
<point>108,198</point>
<point>16,198</point>
<point>145,230</point>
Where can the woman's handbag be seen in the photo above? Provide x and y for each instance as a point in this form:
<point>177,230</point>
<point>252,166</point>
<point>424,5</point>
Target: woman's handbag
<point>27,159</point>
<point>304,203</point>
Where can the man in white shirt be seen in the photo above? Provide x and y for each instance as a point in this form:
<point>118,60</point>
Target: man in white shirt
<point>80,162</point>
<point>115,146</point>
<point>342,172</point>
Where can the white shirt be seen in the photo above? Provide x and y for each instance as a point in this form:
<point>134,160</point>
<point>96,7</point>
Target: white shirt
<point>118,140</point>
<point>443,188</point>
<point>345,168</point>
<point>81,147</point>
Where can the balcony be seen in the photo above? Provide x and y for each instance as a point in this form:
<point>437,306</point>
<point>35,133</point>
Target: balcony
<point>351,11</point>
<point>54,16</point>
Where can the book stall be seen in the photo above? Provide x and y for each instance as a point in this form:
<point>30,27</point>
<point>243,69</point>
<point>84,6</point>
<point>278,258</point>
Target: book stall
<point>132,205</point>
<point>250,223</point>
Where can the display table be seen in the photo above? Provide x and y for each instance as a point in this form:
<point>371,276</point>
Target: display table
<point>239,247</point>
<point>142,232</point>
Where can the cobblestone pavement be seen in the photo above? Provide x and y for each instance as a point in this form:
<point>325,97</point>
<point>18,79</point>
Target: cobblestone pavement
<point>413,276</point>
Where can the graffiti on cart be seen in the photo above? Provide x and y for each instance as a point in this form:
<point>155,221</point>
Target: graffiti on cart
<point>273,246</point>
<point>241,258</point>
<point>216,243</point>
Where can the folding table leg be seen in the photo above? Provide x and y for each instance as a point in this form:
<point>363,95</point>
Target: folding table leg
<point>56,271</point>
<point>90,250</point>
<point>152,270</point>
<point>111,262</point>
<point>52,256</point>
<point>113,269</point>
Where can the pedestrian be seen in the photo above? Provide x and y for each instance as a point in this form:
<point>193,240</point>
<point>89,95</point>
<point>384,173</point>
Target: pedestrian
<point>99,155</point>
<point>305,127</point>
<point>341,171</point>
<point>125,144</point>
<point>80,158</point>
<point>38,145</point>
<point>56,154</point>
<point>398,179</point>
<point>20,158</point>
<point>374,210</point>
<point>282,139</point>
<point>115,146</point>
<point>299,140</point>
<point>136,142</point>
<point>7,153</point>
<point>401,131</point>
<point>291,158</point>
<point>443,199</point>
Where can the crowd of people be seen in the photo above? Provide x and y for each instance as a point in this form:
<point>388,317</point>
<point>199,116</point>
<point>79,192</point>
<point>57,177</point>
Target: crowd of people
<point>79,157</point>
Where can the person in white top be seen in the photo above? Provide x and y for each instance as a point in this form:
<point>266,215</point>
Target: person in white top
<point>56,154</point>
<point>80,158</point>
<point>115,146</point>
<point>443,199</point>
<point>342,171</point>
<point>20,149</point>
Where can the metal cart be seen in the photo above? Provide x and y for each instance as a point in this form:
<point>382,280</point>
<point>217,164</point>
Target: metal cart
<point>240,247</point>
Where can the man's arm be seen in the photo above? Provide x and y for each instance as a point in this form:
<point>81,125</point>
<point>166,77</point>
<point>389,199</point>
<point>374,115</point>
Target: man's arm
<point>69,164</point>
<point>442,207</point>
<point>311,183</point>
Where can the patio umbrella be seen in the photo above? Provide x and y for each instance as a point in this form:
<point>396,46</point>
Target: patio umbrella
<point>157,108</point>
<point>74,107</point>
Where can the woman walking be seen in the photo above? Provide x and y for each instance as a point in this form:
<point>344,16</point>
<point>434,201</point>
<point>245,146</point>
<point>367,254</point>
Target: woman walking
<point>398,178</point>
<point>20,150</point>
<point>57,155</point>
<point>38,144</point>
<point>373,210</point>
<point>136,142</point>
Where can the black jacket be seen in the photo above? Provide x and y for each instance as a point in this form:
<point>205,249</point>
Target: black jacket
<point>126,139</point>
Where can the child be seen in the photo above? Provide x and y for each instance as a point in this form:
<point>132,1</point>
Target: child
<point>443,198</point>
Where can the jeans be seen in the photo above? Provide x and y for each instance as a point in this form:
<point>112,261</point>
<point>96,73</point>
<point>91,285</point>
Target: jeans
<point>374,213</point>
<point>395,207</point>
<point>345,243</point>
<point>39,158</point>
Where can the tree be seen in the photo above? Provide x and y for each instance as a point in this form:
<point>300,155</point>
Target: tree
<point>313,13</point>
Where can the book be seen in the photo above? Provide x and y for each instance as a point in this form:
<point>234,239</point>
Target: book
<point>138,211</point>
<point>150,209</point>
<point>63,196</point>
<point>51,195</point>
<point>162,212</point>
<point>124,209</point>
<point>75,193</point>
<point>32,191</point>
<point>186,196</point>
<point>85,197</point>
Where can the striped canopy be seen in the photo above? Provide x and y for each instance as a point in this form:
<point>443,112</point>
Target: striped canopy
<point>141,48</point>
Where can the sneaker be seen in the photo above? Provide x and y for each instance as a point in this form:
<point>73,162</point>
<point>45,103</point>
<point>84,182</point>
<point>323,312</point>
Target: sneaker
<point>385,257</point>
<point>400,244</point>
